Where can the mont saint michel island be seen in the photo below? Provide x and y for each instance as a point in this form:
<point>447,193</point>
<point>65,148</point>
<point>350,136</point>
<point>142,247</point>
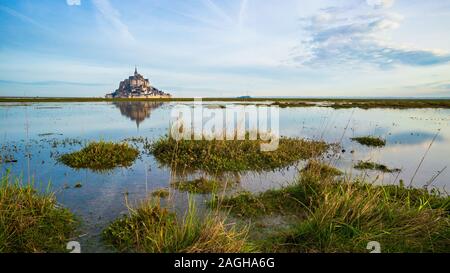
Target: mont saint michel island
<point>137,86</point>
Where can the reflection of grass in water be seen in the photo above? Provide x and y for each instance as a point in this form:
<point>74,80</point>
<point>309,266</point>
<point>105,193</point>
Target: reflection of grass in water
<point>370,141</point>
<point>100,156</point>
<point>151,228</point>
<point>233,155</point>
<point>337,215</point>
<point>200,185</point>
<point>367,165</point>
<point>32,222</point>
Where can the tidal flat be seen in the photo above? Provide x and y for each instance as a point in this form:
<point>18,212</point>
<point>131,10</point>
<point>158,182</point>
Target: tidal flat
<point>282,193</point>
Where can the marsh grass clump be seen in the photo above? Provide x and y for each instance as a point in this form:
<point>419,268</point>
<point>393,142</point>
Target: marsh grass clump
<point>294,104</point>
<point>330,213</point>
<point>322,169</point>
<point>334,103</point>
<point>32,221</point>
<point>218,156</point>
<point>350,216</point>
<point>389,103</point>
<point>294,199</point>
<point>288,200</point>
<point>161,193</point>
<point>418,197</point>
<point>368,165</point>
<point>345,215</point>
<point>154,229</point>
<point>370,141</point>
<point>7,159</point>
<point>200,185</point>
<point>101,156</point>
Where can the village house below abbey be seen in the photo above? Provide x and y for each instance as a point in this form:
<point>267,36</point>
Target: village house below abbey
<point>137,86</point>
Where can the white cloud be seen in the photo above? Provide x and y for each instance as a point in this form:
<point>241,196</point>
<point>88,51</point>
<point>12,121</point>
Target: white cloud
<point>380,3</point>
<point>73,2</point>
<point>357,37</point>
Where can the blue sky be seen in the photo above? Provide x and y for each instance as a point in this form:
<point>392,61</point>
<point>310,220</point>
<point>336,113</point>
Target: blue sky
<point>226,47</point>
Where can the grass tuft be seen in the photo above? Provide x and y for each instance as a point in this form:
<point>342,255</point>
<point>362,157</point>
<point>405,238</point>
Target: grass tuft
<point>370,141</point>
<point>101,156</point>
<point>30,221</point>
<point>368,165</point>
<point>290,200</point>
<point>345,215</point>
<point>233,155</point>
<point>153,229</point>
<point>161,193</point>
<point>200,185</point>
<point>338,215</point>
<point>321,169</point>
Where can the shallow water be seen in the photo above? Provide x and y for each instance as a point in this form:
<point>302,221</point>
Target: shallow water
<point>45,130</point>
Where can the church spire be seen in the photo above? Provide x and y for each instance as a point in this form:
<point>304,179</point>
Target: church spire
<point>135,70</point>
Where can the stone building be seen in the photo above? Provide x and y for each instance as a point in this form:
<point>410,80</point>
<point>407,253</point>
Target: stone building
<point>137,86</point>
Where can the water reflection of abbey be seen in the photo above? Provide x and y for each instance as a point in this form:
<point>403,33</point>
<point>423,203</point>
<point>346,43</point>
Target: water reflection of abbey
<point>137,111</point>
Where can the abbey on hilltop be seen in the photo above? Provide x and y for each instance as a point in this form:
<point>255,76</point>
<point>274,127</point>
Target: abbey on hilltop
<point>137,87</point>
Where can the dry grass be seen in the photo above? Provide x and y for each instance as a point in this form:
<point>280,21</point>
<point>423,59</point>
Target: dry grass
<point>151,228</point>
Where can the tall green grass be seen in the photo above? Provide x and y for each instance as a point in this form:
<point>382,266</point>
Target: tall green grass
<point>32,221</point>
<point>344,215</point>
<point>154,229</point>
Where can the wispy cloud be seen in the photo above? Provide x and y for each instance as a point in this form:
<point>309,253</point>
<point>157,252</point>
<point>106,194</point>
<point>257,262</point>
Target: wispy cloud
<point>50,83</point>
<point>355,36</point>
<point>218,11</point>
<point>242,12</point>
<point>112,16</point>
<point>24,18</point>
